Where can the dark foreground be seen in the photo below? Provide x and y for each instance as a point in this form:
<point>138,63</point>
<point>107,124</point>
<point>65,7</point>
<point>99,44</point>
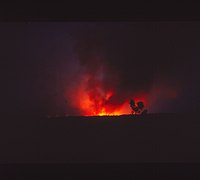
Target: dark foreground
<point>109,146</point>
<point>100,171</point>
<point>122,139</point>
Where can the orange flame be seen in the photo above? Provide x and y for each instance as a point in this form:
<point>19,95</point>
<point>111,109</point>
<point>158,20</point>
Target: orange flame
<point>95,101</point>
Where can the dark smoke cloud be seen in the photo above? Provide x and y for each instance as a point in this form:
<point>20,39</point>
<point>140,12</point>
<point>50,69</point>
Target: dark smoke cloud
<point>42,62</point>
<point>141,57</point>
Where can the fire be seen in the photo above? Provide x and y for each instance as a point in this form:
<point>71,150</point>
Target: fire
<point>93,99</point>
<point>94,102</point>
<point>94,93</point>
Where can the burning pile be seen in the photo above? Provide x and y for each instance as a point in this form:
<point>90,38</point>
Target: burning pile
<point>93,95</point>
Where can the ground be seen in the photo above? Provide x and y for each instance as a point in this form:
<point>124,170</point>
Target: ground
<point>112,139</point>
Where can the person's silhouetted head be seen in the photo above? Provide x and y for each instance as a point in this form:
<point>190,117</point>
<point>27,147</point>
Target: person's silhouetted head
<point>132,102</point>
<point>140,105</point>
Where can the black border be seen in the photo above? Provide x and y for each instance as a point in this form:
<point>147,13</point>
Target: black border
<point>98,11</point>
<point>101,171</point>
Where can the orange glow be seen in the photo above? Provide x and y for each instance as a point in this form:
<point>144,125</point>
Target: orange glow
<point>96,100</point>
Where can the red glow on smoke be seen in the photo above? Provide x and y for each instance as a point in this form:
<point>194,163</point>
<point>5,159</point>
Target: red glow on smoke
<point>94,92</point>
<point>92,98</point>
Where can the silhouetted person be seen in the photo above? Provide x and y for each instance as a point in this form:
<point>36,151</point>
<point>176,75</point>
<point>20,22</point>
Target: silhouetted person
<point>137,109</point>
<point>140,105</point>
<point>132,103</point>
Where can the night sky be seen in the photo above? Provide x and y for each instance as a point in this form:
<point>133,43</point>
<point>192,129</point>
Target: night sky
<point>41,63</point>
